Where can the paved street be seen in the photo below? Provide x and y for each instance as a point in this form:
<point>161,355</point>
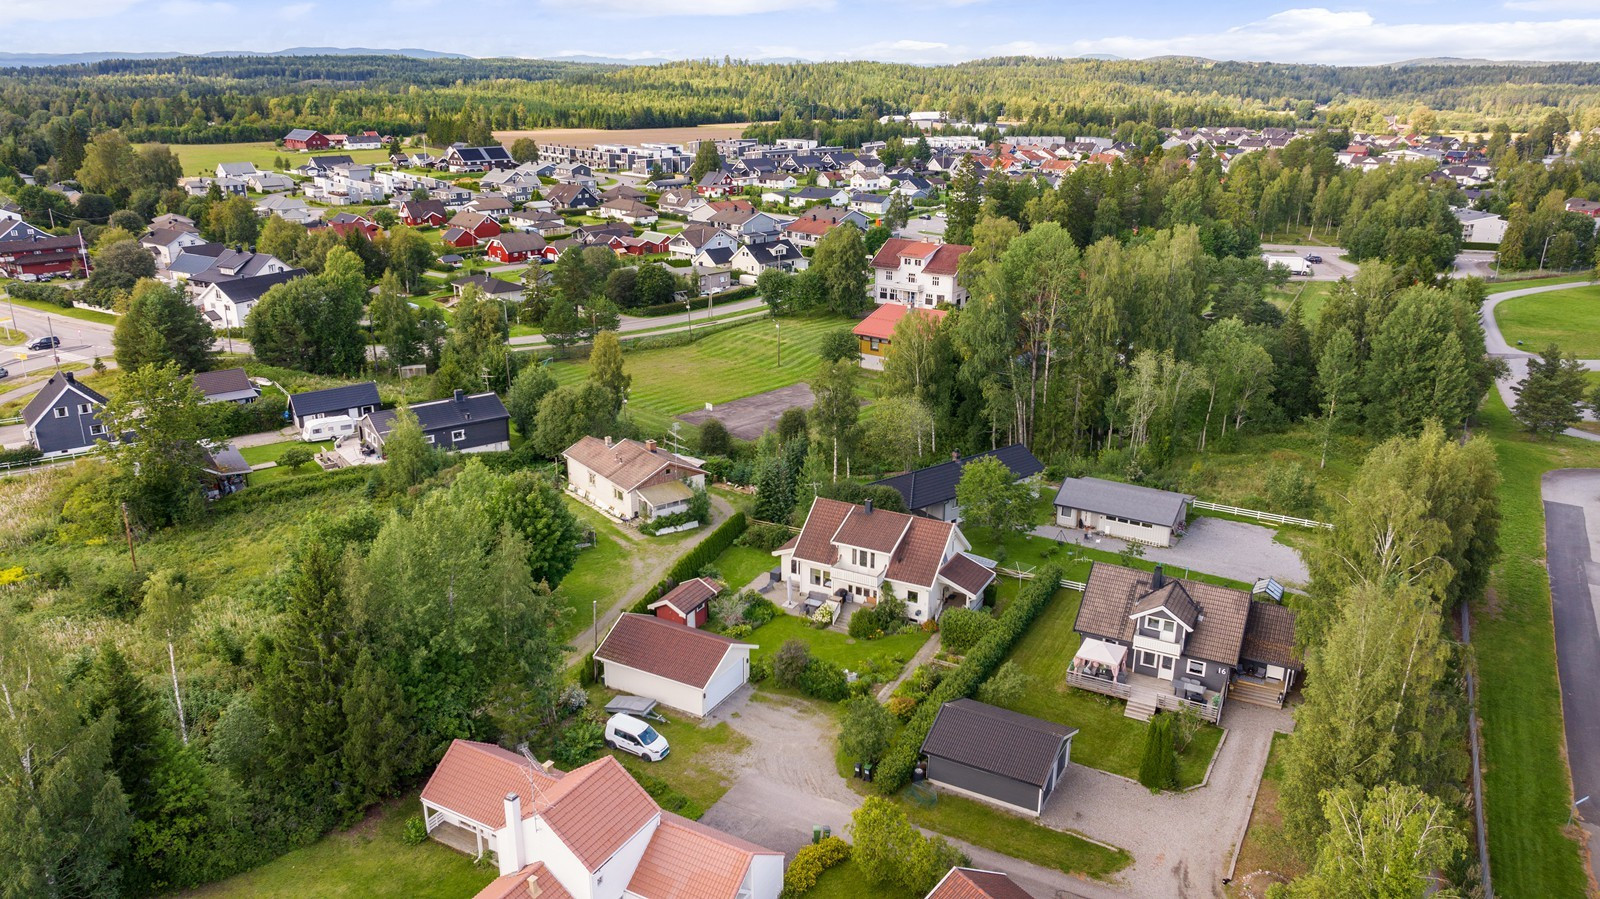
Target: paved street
<point>1331,268</point>
<point>1517,357</point>
<point>1231,549</point>
<point>81,341</point>
<point>1572,546</point>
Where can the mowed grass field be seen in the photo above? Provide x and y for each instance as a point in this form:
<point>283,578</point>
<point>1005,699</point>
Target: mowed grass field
<point>738,362</point>
<point>1568,318</point>
<point>200,159</point>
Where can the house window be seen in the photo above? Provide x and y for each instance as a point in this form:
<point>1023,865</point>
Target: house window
<point>83,408</point>
<point>911,596</point>
<point>1147,659</point>
<point>911,278</point>
<point>617,493</point>
<point>591,479</point>
<point>96,430</point>
<point>429,438</point>
<point>60,411</point>
<point>936,281</point>
<point>458,434</point>
<point>1195,667</point>
<point>875,344</point>
<point>794,566</point>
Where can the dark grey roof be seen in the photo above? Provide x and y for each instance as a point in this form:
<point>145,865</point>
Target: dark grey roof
<point>52,390</point>
<point>1130,501</point>
<point>299,134</point>
<point>450,412</point>
<point>331,399</point>
<point>718,255</point>
<point>327,162</point>
<point>1011,744</point>
<point>487,283</point>
<point>482,154</point>
<point>226,380</point>
<point>768,253</point>
<point>244,290</point>
<point>937,483</point>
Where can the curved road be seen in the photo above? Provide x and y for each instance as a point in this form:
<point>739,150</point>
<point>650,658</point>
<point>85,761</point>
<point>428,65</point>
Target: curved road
<point>1517,359</point>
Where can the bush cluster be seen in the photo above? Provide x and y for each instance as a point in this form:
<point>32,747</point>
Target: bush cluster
<point>810,862</point>
<point>765,535</point>
<point>961,629</point>
<point>895,769</point>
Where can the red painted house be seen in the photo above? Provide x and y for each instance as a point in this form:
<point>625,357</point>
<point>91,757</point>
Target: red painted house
<point>480,226</point>
<point>646,244</point>
<point>515,246</point>
<point>35,255</point>
<point>459,238</point>
<point>427,213</point>
<point>688,603</point>
<point>346,222</point>
<point>306,139</point>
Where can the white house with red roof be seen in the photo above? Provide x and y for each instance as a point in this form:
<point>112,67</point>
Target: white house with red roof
<point>589,833</point>
<point>918,273</point>
<point>686,668</point>
<point>628,479</point>
<point>850,553</point>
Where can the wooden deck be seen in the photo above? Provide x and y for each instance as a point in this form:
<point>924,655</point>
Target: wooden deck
<point>458,838</point>
<point>1143,700</point>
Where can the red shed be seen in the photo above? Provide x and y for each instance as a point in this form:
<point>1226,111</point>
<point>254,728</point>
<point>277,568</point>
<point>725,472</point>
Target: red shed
<point>306,139</point>
<point>688,603</point>
<point>459,238</point>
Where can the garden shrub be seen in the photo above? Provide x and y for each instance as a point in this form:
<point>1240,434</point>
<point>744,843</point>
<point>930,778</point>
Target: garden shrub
<point>579,744</point>
<point>902,706</point>
<point>20,454</point>
<point>981,661</point>
<point>960,629</point>
<point>759,610</point>
<point>760,670</point>
<point>1158,769</point>
<point>822,618</point>
<point>824,680</point>
<point>791,661</point>
<point>809,864</point>
<point>416,831</point>
<point>1006,685</point>
<point>738,631</point>
<point>765,535</point>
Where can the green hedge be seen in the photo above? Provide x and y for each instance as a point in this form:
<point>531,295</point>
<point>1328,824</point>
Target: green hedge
<point>703,554</point>
<point>981,661</point>
<point>677,306</point>
<point>810,862</point>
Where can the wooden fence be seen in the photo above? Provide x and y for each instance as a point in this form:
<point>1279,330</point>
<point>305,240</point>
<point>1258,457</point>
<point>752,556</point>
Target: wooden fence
<point>1258,515</point>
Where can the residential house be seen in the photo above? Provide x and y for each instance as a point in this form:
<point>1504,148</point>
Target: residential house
<point>589,833</point>
<point>33,255</point>
<point>572,196</point>
<point>496,208</point>
<point>918,273</point>
<point>631,211</point>
<point>714,280</point>
<point>864,182</point>
<point>267,182</point>
<point>201,185</point>
<point>419,213</point>
<point>837,215</point>
<point>807,196</point>
<point>476,159</point>
<point>754,258</point>
<point>332,412</point>
<point>64,416</point>
<point>628,479</point>
<point>346,223</point>
<point>746,227</point>
<point>239,170</point>
<point>998,756</point>
<point>227,302</point>
<point>10,212</point>
<point>514,246</point>
<point>575,173</point>
<point>717,257</point>
<point>481,227</point>
<point>366,140</point>
<point>876,331</point>
<point>689,603</point>
<point>976,883</point>
<point>805,232</point>
<point>1587,207</point>
<point>688,243</point>
<point>462,423</point>
<point>682,667</point>
<point>174,221</point>
<point>716,184</point>
<point>623,192</point>
<point>488,284</point>
<point>1478,226</point>
<point>17,229</point>
<point>702,215</point>
<point>680,201</point>
<point>1162,641</point>
<point>166,243</point>
<point>850,553</point>
<point>304,139</point>
<point>870,204</point>
<point>290,209</point>
<point>931,491</point>
<point>1125,511</point>
<point>227,385</point>
<point>607,235</point>
<point>543,224</point>
<point>646,244</point>
<point>323,165</point>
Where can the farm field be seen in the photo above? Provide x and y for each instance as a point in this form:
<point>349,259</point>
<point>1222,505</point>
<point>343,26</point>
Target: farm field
<point>738,362</point>
<point>202,159</point>
<point>588,137</point>
<point>1568,318</point>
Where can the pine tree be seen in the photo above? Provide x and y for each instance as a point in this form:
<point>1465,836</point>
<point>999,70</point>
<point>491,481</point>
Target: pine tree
<point>376,748</point>
<point>1550,398</point>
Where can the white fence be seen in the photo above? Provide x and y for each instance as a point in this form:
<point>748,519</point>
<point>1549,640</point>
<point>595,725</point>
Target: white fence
<point>9,468</point>
<point>1258,515</point>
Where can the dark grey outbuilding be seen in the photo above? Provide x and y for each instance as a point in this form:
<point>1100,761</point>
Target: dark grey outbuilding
<point>476,423</point>
<point>931,491</point>
<point>997,755</point>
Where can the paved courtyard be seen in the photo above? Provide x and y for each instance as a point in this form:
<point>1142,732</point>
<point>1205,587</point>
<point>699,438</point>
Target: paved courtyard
<point>750,417</point>
<point>1230,549</point>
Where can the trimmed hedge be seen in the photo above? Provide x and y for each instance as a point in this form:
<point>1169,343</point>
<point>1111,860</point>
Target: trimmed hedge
<point>703,554</point>
<point>809,864</point>
<point>676,306</point>
<point>981,661</point>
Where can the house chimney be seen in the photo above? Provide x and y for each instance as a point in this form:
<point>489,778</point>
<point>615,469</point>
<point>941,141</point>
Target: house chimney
<point>955,455</point>
<point>868,505</point>
<point>511,851</point>
<point>608,441</point>
<point>650,446</point>
<point>461,395</point>
<point>1158,578</point>
<point>68,376</point>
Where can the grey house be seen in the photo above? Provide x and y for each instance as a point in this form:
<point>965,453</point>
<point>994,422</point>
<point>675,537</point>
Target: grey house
<point>327,414</point>
<point>476,423</point>
<point>1124,511</point>
<point>64,416</point>
<point>931,491</point>
<point>999,756</point>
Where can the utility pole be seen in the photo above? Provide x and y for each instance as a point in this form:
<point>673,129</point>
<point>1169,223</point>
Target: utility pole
<point>594,611</point>
<point>1544,251</point>
<point>55,351</point>
<point>127,529</point>
<point>777,329</point>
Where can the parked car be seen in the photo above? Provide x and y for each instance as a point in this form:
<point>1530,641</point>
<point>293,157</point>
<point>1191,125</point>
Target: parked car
<point>4,374</point>
<point>44,343</point>
<point>924,216</point>
<point>1314,259</point>
<point>630,734</point>
<point>27,276</point>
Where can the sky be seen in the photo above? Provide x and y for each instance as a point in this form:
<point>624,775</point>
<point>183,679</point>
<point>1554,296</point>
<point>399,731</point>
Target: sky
<point>915,31</point>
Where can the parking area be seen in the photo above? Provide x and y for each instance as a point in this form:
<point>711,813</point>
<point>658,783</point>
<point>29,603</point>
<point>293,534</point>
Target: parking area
<point>1331,268</point>
<point>750,417</point>
<point>919,228</point>
<point>1230,549</point>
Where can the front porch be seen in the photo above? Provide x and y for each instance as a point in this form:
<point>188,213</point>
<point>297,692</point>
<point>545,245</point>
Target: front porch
<point>1101,667</point>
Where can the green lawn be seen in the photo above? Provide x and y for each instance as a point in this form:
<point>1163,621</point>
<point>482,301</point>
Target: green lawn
<point>617,562</point>
<point>984,825</point>
<point>845,881</point>
<point>368,859</point>
<point>10,336</point>
<point>1312,296</point>
<point>1106,738</point>
<point>1568,318</point>
<point>740,565</point>
<point>200,159</point>
<point>887,655</point>
<point>1526,782</point>
<point>88,315</point>
<point>1027,552</point>
<point>738,362</point>
<point>270,452</point>
<point>697,766</point>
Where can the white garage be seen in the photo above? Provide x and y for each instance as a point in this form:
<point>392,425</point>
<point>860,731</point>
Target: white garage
<point>1126,511</point>
<point>684,668</point>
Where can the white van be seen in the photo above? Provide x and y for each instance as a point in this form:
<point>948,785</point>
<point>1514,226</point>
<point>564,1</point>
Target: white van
<point>629,734</point>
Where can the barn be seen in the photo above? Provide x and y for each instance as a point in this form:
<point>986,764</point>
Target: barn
<point>304,139</point>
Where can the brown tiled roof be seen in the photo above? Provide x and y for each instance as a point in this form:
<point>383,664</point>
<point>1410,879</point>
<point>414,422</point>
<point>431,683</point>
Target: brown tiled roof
<point>938,258</point>
<point>917,560</point>
<point>966,574</point>
<point>625,463</point>
<point>468,221</point>
<point>666,649</point>
<point>989,738</point>
<point>810,226</point>
<point>1174,598</point>
<point>533,882</point>
<point>917,544</point>
<point>971,883</point>
<point>597,808</point>
<point>1269,635</point>
<point>689,595</point>
<point>686,860</point>
<point>473,779</point>
<point>876,530</point>
<point>815,543</point>
<point>1112,591</point>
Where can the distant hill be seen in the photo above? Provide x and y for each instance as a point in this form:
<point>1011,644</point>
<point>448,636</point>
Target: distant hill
<point>1459,61</point>
<point>28,60</point>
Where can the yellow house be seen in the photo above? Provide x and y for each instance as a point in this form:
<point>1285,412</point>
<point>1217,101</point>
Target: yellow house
<point>875,330</point>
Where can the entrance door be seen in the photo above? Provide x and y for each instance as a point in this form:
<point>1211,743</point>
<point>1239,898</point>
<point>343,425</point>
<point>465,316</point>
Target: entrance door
<point>1167,664</point>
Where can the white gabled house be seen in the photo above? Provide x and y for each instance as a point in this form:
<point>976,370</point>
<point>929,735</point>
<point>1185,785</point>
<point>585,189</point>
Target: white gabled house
<point>627,479</point>
<point>679,666</point>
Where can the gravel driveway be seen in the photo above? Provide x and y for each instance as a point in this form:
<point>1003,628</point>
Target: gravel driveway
<point>1219,546</point>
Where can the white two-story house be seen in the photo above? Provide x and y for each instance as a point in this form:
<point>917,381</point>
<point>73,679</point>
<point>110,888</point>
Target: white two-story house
<point>918,273</point>
<point>850,553</point>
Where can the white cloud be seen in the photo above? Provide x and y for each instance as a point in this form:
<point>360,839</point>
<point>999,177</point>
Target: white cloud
<point>663,8</point>
<point>1555,5</point>
<point>1319,35</point>
<point>195,8</point>
<point>56,10</point>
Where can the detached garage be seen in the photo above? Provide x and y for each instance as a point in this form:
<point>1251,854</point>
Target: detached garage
<point>1125,511</point>
<point>997,755</point>
<point>678,666</point>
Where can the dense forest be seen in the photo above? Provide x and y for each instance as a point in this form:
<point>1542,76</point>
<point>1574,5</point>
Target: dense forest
<point>224,99</point>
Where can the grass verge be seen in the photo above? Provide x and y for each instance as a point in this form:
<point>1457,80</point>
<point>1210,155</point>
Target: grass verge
<point>1568,318</point>
<point>1267,856</point>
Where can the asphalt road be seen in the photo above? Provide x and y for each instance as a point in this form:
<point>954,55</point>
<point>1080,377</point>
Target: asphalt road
<point>1331,268</point>
<point>81,341</point>
<point>1570,496</point>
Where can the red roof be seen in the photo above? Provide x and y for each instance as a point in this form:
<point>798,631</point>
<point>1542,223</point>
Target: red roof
<point>882,321</point>
<point>689,595</point>
<point>971,883</point>
<point>666,649</point>
<point>809,226</point>
<point>937,258</point>
<point>533,882</point>
<point>473,779</point>
<point>596,809</point>
<point>687,860</point>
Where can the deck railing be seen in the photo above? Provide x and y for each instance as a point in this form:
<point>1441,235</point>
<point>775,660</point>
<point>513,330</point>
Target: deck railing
<point>1168,701</point>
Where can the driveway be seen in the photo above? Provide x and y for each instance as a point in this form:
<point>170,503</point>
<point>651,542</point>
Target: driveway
<point>1517,358</point>
<point>1182,843</point>
<point>1230,549</point>
<point>1572,546</point>
<point>1331,268</point>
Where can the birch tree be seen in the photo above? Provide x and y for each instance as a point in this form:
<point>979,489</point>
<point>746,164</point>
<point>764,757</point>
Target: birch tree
<point>166,612</point>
